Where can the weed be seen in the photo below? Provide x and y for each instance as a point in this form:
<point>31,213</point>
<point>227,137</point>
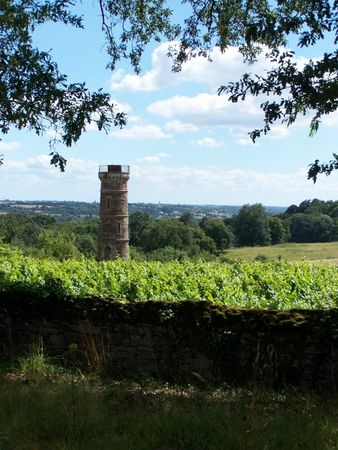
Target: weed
<point>35,364</point>
<point>96,348</point>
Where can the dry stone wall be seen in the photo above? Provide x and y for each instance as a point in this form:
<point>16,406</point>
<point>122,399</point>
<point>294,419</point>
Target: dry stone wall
<point>178,342</point>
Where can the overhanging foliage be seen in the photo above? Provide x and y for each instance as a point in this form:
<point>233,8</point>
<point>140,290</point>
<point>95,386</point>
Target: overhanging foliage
<point>35,95</point>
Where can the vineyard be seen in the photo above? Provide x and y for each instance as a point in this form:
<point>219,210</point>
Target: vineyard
<point>273,285</point>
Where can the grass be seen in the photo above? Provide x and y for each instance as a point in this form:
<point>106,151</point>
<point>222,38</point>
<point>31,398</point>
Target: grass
<point>57,409</point>
<point>317,252</point>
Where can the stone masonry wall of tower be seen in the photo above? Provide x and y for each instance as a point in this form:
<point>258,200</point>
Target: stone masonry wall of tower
<point>113,239</point>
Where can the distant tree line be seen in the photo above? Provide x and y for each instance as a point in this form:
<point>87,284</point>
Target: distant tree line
<point>311,221</point>
<point>62,211</point>
<point>167,239</point>
<point>74,210</point>
<point>43,236</point>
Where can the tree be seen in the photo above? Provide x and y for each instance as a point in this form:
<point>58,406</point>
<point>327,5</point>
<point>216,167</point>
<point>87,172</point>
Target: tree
<point>173,233</point>
<point>58,245</point>
<point>139,221</point>
<point>87,245</point>
<point>187,218</point>
<point>34,94</point>
<point>334,212</point>
<point>218,232</point>
<point>303,206</point>
<point>255,27</point>
<point>278,232</point>
<point>314,206</point>
<point>19,230</point>
<point>312,228</point>
<point>251,226</point>
<point>167,254</point>
<point>292,209</point>
<point>44,221</point>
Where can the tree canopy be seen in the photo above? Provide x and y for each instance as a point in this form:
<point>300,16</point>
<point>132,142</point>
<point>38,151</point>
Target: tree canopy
<point>251,226</point>
<point>34,94</point>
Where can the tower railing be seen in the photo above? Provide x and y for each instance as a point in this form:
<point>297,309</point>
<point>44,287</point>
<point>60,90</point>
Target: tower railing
<point>114,168</point>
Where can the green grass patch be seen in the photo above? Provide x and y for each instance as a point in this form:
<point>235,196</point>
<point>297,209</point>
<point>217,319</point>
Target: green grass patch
<point>72,412</point>
<point>322,251</point>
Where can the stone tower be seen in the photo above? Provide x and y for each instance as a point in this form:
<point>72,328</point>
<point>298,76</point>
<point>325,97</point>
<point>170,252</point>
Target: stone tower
<point>113,232</point>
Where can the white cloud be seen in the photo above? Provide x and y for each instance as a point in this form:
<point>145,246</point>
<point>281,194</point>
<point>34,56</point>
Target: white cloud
<point>152,159</point>
<point>139,132</point>
<point>208,110</point>
<point>133,119</point>
<point>223,68</point>
<point>190,113</point>
<point>211,110</point>
<point>215,185</point>
<point>40,165</point>
<point>331,120</point>
<point>10,146</point>
<point>279,131</point>
<point>36,178</point>
<point>158,77</point>
<point>36,163</point>
<point>149,159</point>
<point>120,106</point>
<point>180,127</point>
<point>208,142</point>
<point>244,141</point>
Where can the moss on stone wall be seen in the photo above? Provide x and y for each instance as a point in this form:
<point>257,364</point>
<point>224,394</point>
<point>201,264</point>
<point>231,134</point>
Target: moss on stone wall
<point>181,341</point>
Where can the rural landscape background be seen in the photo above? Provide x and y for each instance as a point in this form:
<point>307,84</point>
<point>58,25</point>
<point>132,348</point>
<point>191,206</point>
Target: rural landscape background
<point>231,257</point>
<point>221,329</point>
<point>168,232</point>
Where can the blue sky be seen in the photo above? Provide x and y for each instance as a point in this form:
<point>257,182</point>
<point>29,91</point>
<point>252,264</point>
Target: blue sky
<point>185,144</point>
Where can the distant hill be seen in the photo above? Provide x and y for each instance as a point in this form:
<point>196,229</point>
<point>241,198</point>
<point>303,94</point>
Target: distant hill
<point>60,210</point>
<point>68,210</point>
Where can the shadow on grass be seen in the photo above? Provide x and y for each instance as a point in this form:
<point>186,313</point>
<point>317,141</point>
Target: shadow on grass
<point>69,410</point>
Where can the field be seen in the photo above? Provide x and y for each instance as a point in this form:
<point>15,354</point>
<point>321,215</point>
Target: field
<point>63,409</point>
<point>324,252</point>
<point>272,285</point>
<point>44,407</point>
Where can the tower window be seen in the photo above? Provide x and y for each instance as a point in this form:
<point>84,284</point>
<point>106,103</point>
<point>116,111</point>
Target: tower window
<point>108,203</point>
<point>119,228</point>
